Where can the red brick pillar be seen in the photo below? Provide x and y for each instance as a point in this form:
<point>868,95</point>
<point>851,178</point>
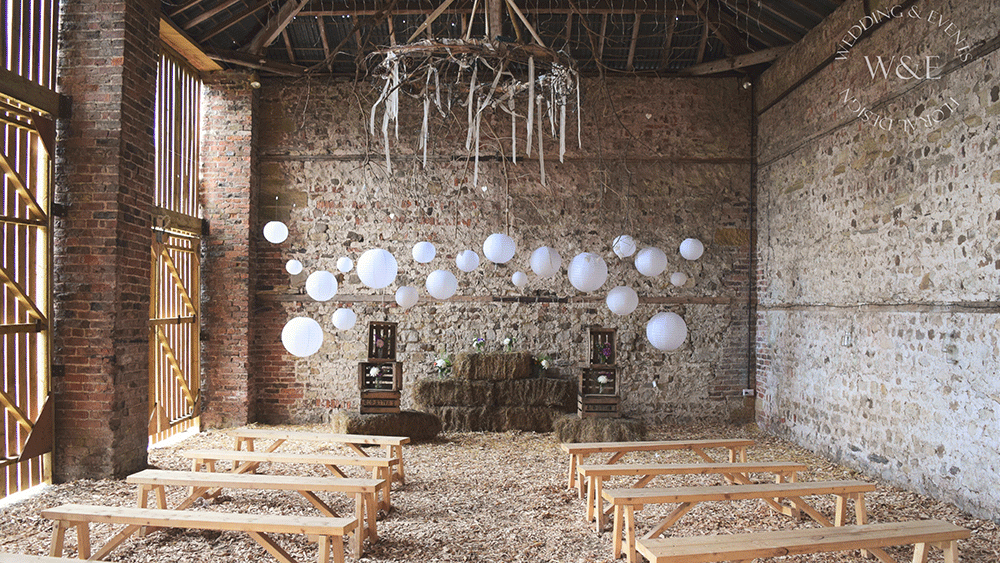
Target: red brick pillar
<point>108,55</point>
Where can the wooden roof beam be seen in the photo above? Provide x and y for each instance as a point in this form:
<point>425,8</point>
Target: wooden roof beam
<point>630,63</point>
<point>668,41</point>
<point>275,26</point>
<point>255,62</point>
<point>734,63</point>
<point>715,28</point>
<point>766,23</point>
<point>209,14</point>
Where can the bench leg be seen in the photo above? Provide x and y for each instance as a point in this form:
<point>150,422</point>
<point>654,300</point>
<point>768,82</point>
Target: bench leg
<point>598,485</point>
<point>633,557</point>
<point>920,553</point>
<point>572,472</point>
<point>950,551</point>
<point>58,536</point>
<point>272,547</point>
<point>617,531</point>
<point>360,531</point>
<point>590,498</point>
<point>83,539</point>
<point>371,502</point>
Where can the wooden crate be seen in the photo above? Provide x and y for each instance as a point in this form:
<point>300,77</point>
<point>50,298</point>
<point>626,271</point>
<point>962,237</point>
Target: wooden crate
<point>589,384</point>
<point>603,347</point>
<point>382,341</point>
<point>373,402</point>
<point>388,378</point>
<point>598,406</point>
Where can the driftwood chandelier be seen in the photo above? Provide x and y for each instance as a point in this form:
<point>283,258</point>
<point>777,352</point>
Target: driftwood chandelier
<point>479,73</point>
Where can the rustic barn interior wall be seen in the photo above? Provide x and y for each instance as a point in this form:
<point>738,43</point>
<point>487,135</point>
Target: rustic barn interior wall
<point>879,216</point>
<point>662,160</point>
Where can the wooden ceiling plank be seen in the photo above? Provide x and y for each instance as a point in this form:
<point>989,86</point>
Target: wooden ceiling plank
<point>235,19</point>
<point>629,64</point>
<point>288,46</point>
<point>321,23</point>
<point>275,25</point>
<point>209,14</point>
<point>737,62</point>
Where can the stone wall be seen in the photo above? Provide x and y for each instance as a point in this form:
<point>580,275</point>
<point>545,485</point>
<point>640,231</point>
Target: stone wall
<point>662,160</point>
<point>878,222</point>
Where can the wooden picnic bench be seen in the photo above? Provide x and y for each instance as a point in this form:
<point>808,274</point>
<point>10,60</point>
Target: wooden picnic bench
<point>328,532</point>
<point>392,445</point>
<point>578,452</point>
<point>746,547</point>
<point>595,476</point>
<point>244,462</point>
<point>202,484</point>
<point>627,501</point>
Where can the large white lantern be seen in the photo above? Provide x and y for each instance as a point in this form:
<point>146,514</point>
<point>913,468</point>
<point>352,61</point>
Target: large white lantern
<point>650,261</point>
<point>678,278</point>
<point>345,264</point>
<point>344,319</point>
<point>293,267</point>
<point>424,252</point>
<point>302,336</point>
<point>467,260</point>
<point>520,279</point>
<point>406,296</point>
<point>692,249</point>
<point>622,300</point>
<point>441,284</point>
<point>545,262</point>
<point>666,331</point>
<point>275,232</point>
<point>499,248</point>
<point>587,272</point>
<point>321,285</point>
<point>377,268</point>
<point>623,246</point>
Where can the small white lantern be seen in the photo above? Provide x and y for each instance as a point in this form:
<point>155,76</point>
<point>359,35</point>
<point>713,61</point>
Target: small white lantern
<point>587,272</point>
<point>293,267</point>
<point>623,246</point>
<point>692,249</point>
<point>441,284</point>
<point>666,331</point>
<point>499,248</point>
<point>650,261</point>
<point>321,285</point>
<point>545,262</point>
<point>344,319</point>
<point>424,252</point>
<point>406,296</point>
<point>275,232</point>
<point>302,336</point>
<point>520,279</point>
<point>678,278</point>
<point>622,300</point>
<point>345,264</point>
<point>467,260</point>
<point>377,268</point>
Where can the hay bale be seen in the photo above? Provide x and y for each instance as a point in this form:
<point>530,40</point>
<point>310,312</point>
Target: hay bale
<point>572,428</point>
<point>418,426</point>
<point>493,366</point>
<point>486,419</point>
<point>558,394</point>
<point>452,391</point>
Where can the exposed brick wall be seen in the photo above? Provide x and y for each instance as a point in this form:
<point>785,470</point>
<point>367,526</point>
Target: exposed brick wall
<point>107,64</point>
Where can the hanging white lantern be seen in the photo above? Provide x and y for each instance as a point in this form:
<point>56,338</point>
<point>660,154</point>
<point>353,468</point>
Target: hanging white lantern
<point>520,279</point>
<point>545,261</point>
<point>650,261</point>
<point>344,319</point>
<point>302,336</point>
<point>623,246</point>
<point>293,267</point>
<point>406,296</point>
<point>622,300</point>
<point>499,248</point>
<point>587,272</point>
<point>345,264</point>
<point>678,278</point>
<point>321,285</point>
<point>275,232</point>
<point>467,260</point>
<point>424,252</point>
<point>377,268</point>
<point>692,249</point>
<point>441,284</point>
<point>666,331</point>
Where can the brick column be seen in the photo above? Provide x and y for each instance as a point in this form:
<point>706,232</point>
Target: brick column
<point>108,56</point>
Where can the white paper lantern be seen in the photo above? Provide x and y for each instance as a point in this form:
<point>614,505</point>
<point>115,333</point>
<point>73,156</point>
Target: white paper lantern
<point>622,300</point>
<point>499,248</point>
<point>441,284</point>
<point>467,260</point>
<point>345,264</point>
<point>302,336</point>
<point>692,248</point>
<point>424,252</point>
<point>275,232</point>
<point>545,262</point>
<point>520,279</point>
<point>377,268</point>
<point>344,319</point>
<point>406,296</point>
<point>650,261</point>
<point>678,278</point>
<point>293,267</point>
<point>587,272</point>
<point>666,331</point>
<point>321,285</point>
<point>623,246</point>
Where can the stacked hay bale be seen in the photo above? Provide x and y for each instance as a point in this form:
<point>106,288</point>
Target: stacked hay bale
<point>495,392</point>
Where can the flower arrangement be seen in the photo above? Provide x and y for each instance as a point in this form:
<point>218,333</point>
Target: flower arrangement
<point>478,343</point>
<point>544,362</point>
<point>508,343</point>
<point>443,364</point>
<point>606,352</point>
<point>602,380</point>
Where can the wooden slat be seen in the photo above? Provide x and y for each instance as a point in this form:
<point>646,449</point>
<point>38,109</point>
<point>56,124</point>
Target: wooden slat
<point>10,405</point>
<point>22,189</point>
<point>687,468</point>
<point>607,447</point>
<point>270,434</point>
<point>160,477</point>
<point>285,457</point>
<point>175,366</point>
<point>235,19</point>
<point>19,293</point>
<point>43,100</point>
<point>734,492</point>
<point>210,13</point>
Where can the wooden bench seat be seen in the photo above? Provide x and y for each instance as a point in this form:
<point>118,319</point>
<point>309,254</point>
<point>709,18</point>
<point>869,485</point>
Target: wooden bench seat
<point>22,558</point>
<point>746,547</point>
<point>328,532</point>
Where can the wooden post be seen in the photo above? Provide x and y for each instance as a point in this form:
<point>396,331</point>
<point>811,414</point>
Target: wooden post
<point>494,14</point>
